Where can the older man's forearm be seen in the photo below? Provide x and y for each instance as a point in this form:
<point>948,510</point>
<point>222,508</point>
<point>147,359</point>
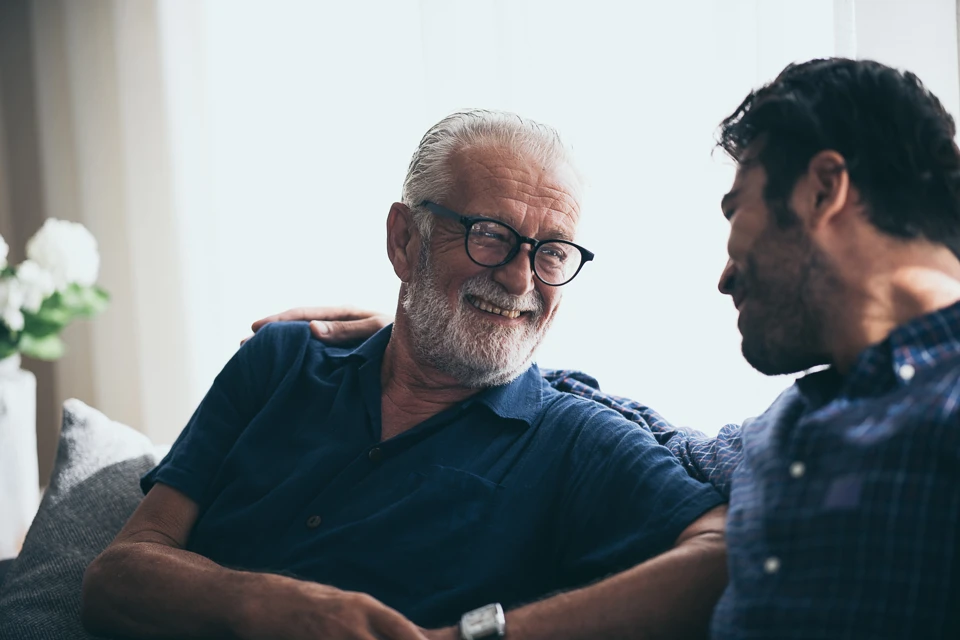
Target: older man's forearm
<point>149,590</point>
<point>670,596</point>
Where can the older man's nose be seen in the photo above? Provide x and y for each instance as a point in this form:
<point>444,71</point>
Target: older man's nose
<point>516,276</point>
<point>728,279</point>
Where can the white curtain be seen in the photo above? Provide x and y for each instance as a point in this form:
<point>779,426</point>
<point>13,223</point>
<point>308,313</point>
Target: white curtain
<point>238,157</point>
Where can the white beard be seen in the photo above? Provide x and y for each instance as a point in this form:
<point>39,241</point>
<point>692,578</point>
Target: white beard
<point>458,342</point>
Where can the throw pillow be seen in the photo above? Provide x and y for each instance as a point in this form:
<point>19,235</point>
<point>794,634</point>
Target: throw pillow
<point>93,491</point>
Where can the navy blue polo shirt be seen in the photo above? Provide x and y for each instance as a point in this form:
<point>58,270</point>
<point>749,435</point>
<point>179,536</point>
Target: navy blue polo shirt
<point>518,492</point>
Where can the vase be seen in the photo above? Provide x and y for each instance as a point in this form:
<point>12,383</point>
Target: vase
<point>19,475</point>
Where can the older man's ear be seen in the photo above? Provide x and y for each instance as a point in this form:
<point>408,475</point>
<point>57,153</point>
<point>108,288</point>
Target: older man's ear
<point>403,240</point>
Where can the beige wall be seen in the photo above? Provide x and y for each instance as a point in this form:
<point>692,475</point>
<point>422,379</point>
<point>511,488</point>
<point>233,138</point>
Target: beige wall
<point>22,202</point>
<point>83,137</point>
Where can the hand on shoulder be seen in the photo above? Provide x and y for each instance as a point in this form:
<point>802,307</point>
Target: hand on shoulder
<point>333,325</point>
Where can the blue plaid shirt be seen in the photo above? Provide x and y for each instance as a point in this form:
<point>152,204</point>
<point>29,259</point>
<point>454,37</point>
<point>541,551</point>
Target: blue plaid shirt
<point>844,495</point>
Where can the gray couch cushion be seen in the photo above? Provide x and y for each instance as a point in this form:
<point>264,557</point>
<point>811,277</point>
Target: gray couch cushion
<point>94,489</point>
<point>4,567</point>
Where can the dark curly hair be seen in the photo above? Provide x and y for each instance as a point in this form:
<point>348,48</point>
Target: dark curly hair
<point>894,134</point>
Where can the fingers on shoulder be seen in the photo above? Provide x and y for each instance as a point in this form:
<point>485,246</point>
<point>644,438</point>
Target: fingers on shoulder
<point>327,314</point>
<point>290,315</point>
<point>339,331</point>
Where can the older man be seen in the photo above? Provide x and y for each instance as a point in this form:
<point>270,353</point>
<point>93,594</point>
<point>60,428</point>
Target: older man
<point>430,475</point>
<point>844,244</point>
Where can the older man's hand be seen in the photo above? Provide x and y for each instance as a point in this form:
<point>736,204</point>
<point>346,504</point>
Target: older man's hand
<point>333,325</point>
<point>447,633</point>
<point>303,610</point>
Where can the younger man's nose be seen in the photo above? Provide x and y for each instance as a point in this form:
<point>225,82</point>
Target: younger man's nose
<point>728,279</point>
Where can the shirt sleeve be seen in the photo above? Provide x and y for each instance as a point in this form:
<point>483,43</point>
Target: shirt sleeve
<point>625,497</point>
<point>239,391</point>
<point>707,459</point>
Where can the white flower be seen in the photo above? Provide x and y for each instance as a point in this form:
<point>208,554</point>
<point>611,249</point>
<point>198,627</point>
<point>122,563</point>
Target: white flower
<point>67,251</point>
<point>36,283</point>
<point>11,301</point>
<point>4,250</point>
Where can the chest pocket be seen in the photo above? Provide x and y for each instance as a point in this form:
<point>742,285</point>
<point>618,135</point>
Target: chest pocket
<point>436,528</point>
<point>452,498</point>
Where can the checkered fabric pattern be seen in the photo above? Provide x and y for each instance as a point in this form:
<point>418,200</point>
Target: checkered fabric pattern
<point>706,459</point>
<point>844,516</point>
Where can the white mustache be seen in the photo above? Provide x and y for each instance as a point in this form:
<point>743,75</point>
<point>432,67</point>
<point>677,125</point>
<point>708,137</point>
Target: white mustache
<point>484,287</point>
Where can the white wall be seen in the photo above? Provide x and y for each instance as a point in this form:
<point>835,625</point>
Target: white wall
<point>920,35</point>
<point>292,123</point>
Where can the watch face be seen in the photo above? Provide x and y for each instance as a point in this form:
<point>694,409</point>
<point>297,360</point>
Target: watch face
<point>483,622</point>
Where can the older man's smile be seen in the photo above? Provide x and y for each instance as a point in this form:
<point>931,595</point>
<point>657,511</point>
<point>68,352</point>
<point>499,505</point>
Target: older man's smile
<point>489,307</point>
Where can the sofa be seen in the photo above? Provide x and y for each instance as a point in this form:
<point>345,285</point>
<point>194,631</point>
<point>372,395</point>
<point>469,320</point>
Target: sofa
<point>93,490</point>
<point>4,567</point>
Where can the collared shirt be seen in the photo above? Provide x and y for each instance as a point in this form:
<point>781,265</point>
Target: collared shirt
<point>516,493</point>
<point>844,516</point>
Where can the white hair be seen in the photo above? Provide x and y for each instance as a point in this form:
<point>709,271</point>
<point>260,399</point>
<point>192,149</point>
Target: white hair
<point>430,177</point>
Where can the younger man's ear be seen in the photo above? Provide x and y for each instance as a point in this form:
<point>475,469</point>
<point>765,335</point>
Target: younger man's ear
<point>824,190</point>
<point>403,240</point>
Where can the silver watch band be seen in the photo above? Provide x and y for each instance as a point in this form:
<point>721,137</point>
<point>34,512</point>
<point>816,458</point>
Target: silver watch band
<point>486,623</point>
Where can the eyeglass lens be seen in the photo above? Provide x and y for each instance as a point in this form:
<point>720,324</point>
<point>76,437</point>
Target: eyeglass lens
<point>490,243</point>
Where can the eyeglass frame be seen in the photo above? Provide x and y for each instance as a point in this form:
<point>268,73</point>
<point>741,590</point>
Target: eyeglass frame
<point>468,221</point>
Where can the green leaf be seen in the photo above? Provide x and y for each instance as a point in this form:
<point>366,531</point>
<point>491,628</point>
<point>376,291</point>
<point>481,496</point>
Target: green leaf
<point>49,320</point>
<point>8,346</point>
<point>84,301</point>
<point>46,348</point>
<point>61,308</point>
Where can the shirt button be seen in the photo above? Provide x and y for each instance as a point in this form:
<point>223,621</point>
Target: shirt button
<point>797,469</point>
<point>771,565</point>
<point>907,372</point>
<point>375,454</point>
<point>313,522</point>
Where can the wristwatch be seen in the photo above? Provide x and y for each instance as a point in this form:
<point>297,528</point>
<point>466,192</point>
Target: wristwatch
<point>483,623</point>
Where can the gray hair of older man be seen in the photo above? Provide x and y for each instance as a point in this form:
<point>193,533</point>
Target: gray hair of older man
<point>430,176</point>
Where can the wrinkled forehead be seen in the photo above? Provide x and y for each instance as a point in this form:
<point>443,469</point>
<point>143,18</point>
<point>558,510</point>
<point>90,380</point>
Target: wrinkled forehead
<point>492,180</point>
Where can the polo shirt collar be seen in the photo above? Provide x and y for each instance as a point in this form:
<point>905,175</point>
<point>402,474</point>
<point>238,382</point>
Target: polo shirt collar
<point>371,349</point>
<point>520,399</point>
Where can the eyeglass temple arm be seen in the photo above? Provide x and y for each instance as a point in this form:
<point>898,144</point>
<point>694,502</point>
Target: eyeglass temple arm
<point>443,211</point>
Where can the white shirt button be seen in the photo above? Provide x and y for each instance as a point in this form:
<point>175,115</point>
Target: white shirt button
<point>907,372</point>
<point>797,469</point>
<point>771,565</point>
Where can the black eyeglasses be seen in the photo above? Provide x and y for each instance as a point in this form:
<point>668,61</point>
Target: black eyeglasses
<point>491,243</point>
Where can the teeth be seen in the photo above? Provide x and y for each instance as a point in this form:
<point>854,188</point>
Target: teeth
<point>483,305</point>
